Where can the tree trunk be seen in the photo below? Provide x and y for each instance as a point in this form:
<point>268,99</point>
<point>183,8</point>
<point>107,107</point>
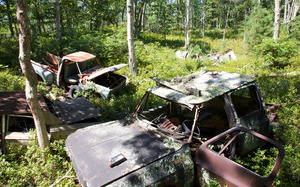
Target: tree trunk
<point>187,24</point>
<point>132,61</point>
<point>295,10</point>
<point>9,18</point>
<point>31,78</point>
<point>16,30</point>
<point>69,24</point>
<point>226,21</point>
<point>182,13</point>
<point>246,19</point>
<point>143,17</point>
<point>123,11</point>
<point>203,19</point>
<point>285,11</point>
<point>58,28</point>
<point>276,20</point>
<point>139,20</point>
<point>38,16</point>
<point>290,10</point>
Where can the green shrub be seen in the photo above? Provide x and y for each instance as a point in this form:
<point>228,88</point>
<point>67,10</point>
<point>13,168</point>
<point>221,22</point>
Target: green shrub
<point>260,161</point>
<point>9,51</point>
<point>278,53</point>
<point>11,80</point>
<point>33,166</point>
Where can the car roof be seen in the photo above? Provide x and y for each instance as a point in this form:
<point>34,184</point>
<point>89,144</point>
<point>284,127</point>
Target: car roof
<point>79,57</point>
<point>15,103</point>
<point>199,87</point>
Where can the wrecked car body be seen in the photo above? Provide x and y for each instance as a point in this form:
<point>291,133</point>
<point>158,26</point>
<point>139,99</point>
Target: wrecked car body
<point>74,72</point>
<point>163,143</point>
<point>61,117</point>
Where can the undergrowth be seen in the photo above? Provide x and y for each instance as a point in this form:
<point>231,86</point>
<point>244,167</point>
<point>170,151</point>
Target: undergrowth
<point>32,166</point>
<point>156,57</point>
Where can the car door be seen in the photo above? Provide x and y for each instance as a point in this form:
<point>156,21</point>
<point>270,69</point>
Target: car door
<point>213,161</point>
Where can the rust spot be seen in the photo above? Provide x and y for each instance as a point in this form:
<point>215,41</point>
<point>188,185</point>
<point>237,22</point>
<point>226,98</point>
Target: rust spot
<point>179,160</point>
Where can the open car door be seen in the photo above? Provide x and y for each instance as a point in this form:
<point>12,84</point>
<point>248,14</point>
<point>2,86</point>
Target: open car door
<point>213,161</point>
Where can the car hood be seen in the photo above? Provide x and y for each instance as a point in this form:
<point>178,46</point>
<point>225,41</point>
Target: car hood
<point>102,71</point>
<point>91,149</point>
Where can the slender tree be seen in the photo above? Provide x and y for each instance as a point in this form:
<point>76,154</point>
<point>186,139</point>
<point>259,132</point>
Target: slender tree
<point>131,51</point>
<point>31,77</point>
<point>57,5</point>
<point>7,2</point>
<point>276,20</point>
<point>182,13</point>
<point>291,8</point>
<point>247,4</point>
<point>203,18</point>
<point>187,24</point>
<point>226,20</point>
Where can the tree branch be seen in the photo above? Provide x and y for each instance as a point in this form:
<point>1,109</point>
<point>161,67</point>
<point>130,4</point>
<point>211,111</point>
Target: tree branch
<point>65,176</point>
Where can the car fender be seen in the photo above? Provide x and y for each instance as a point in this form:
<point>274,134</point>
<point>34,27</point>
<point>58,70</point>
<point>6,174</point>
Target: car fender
<point>46,75</point>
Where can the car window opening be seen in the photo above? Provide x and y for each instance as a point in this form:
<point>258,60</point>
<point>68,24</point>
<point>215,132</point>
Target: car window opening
<point>177,119</point>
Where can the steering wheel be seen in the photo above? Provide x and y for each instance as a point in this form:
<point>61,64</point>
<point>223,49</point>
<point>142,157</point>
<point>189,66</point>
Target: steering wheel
<point>159,118</point>
<point>187,126</point>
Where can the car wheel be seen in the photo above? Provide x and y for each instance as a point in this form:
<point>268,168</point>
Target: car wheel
<point>73,92</point>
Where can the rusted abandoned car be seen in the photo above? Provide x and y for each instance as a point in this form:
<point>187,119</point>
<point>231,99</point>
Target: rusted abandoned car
<point>185,131</point>
<point>74,72</point>
<point>61,117</point>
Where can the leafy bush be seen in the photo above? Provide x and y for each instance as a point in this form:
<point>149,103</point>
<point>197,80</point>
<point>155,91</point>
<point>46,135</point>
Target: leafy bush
<point>33,166</point>
<point>9,51</point>
<point>11,80</point>
<point>278,53</point>
<point>47,90</point>
<point>260,161</point>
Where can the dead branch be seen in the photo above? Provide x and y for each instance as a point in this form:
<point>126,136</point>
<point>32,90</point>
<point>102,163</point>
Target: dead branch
<point>65,176</point>
<point>283,74</point>
<point>231,41</point>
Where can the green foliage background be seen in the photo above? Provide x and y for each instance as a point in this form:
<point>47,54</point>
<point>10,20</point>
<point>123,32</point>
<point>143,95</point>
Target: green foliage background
<point>30,166</point>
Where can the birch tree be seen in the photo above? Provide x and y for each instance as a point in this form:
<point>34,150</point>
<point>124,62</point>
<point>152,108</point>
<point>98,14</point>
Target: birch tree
<point>131,51</point>
<point>187,24</point>
<point>276,19</point>
<point>31,77</point>
<point>291,8</point>
<point>203,19</point>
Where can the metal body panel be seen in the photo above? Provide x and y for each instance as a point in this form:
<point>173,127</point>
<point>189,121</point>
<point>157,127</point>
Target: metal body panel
<point>211,164</point>
<point>92,148</point>
<point>75,110</point>
<point>17,120</point>
<point>15,103</point>
<point>206,85</point>
<point>105,70</point>
<point>176,169</point>
<point>47,76</point>
<point>79,57</point>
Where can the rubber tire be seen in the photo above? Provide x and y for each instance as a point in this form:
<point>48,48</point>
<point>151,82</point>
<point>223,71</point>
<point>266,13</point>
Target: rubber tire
<point>73,90</point>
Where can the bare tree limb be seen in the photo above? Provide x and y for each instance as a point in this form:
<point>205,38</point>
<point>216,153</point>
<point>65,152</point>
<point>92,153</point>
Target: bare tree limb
<point>65,176</point>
